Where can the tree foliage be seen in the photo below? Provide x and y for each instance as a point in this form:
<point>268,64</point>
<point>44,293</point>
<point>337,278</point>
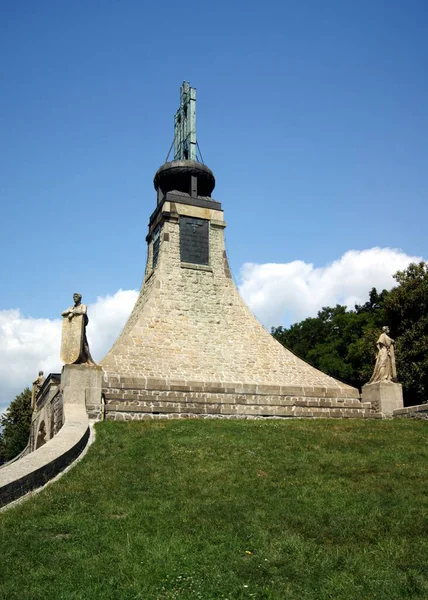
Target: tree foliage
<point>342,342</point>
<point>338,341</point>
<point>15,426</point>
<point>407,310</point>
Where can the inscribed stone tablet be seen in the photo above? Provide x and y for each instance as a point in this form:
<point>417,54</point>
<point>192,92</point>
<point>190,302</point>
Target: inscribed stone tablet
<point>194,240</point>
<point>71,339</point>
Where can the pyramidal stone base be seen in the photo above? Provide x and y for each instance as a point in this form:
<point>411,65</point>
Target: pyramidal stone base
<point>192,348</point>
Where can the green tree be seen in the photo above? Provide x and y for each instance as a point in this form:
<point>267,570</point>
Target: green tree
<point>407,315</point>
<point>15,426</point>
<point>339,342</point>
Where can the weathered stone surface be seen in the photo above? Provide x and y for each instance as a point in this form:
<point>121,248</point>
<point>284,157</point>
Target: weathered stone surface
<point>419,412</point>
<point>71,339</point>
<point>212,402</point>
<point>37,385</point>
<point>191,326</point>
<point>82,383</point>
<point>385,369</point>
<point>384,396</point>
<point>47,416</point>
<point>79,384</point>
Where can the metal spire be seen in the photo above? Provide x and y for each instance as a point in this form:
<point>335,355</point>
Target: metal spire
<point>185,125</point>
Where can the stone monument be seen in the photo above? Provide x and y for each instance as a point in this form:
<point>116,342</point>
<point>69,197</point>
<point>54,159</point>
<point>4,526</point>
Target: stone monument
<point>80,377</point>
<point>37,386</point>
<point>191,347</point>
<point>74,343</point>
<point>383,391</point>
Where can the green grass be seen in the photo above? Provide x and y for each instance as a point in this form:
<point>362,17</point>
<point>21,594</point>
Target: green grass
<point>229,510</point>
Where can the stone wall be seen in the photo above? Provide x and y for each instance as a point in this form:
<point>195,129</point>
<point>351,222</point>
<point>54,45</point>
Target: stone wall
<point>47,418</point>
<point>419,412</point>
<point>17,479</point>
<point>147,398</point>
<point>80,387</point>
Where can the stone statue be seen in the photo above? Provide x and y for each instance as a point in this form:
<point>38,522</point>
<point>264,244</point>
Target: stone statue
<point>37,386</point>
<point>385,369</point>
<point>74,343</point>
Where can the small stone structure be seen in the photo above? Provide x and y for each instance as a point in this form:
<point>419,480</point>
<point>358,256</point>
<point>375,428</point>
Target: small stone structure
<point>47,417</point>
<point>80,384</point>
<point>418,412</point>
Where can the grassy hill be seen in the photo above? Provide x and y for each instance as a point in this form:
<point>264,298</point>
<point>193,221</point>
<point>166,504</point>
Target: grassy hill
<point>228,510</point>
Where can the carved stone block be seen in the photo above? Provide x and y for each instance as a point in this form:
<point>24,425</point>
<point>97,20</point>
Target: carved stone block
<point>71,339</point>
<point>384,396</point>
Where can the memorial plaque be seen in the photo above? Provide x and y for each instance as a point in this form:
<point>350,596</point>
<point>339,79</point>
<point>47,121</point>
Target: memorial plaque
<point>194,240</point>
<point>72,338</point>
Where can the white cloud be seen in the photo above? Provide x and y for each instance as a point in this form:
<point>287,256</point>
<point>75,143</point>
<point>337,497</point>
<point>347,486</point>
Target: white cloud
<point>106,320</point>
<point>280,294</point>
<point>28,345</point>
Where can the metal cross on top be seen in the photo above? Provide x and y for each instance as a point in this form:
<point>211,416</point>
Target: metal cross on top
<point>185,124</point>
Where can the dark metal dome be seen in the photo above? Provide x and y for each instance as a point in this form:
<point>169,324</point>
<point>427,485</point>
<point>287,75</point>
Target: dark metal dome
<point>176,175</point>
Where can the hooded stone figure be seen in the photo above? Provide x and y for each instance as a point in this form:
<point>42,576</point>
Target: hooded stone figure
<point>385,369</point>
<point>37,386</point>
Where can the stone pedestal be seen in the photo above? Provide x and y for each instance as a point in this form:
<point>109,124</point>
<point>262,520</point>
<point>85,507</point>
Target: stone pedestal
<point>384,396</point>
<point>82,384</point>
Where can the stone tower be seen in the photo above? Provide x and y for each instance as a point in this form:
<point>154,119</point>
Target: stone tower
<point>191,346</point>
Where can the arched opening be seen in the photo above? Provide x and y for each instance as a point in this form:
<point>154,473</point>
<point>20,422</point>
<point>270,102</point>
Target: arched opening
<point>41,435</point>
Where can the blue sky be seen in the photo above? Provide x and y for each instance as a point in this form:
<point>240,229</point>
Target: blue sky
<point>312,115</point>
